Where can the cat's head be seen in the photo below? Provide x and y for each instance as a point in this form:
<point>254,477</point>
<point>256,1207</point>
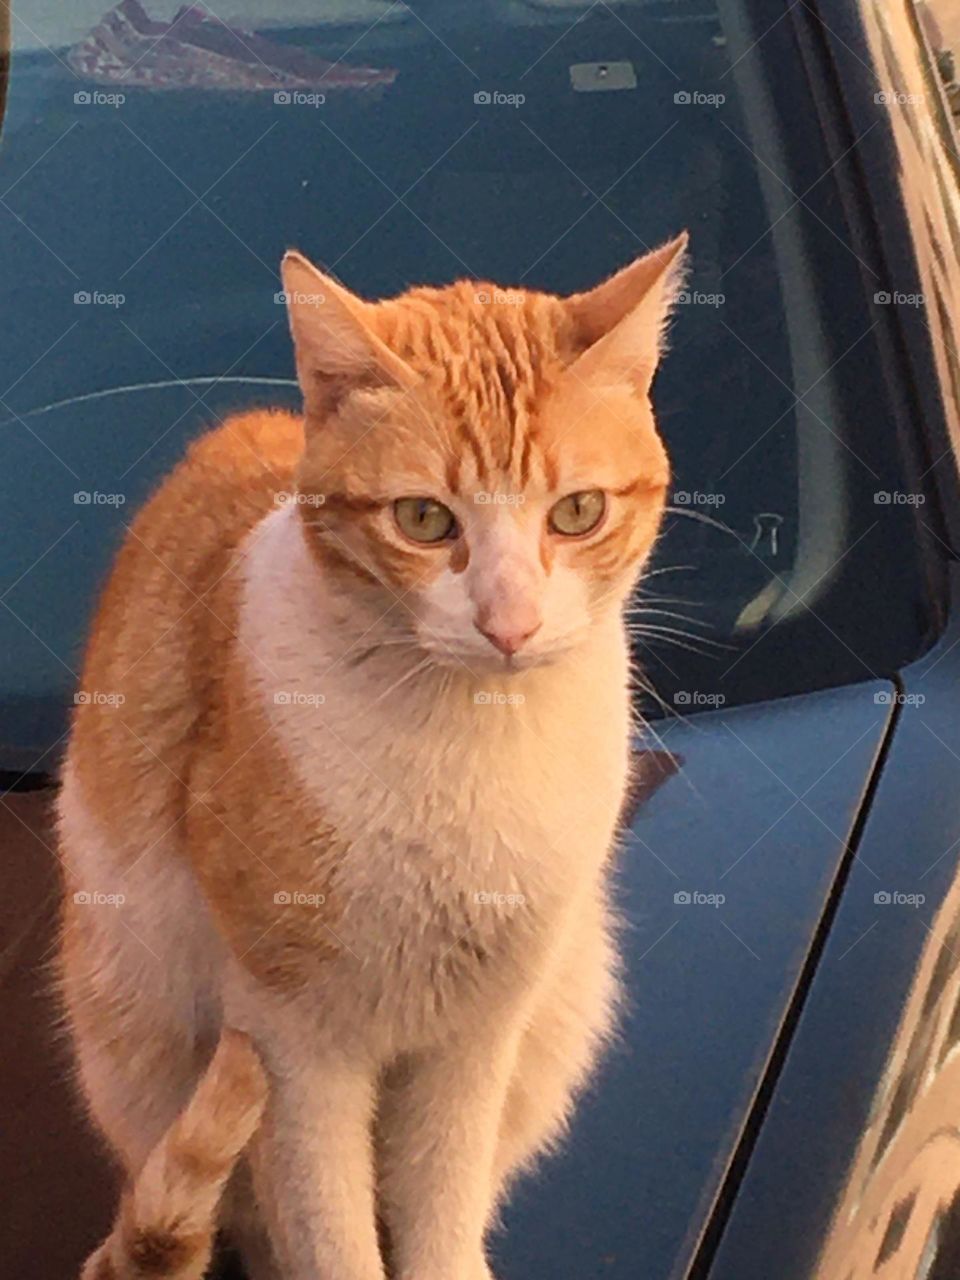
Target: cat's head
<point>483,464</point>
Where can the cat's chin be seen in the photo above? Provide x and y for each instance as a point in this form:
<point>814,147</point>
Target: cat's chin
<point>470,661</point>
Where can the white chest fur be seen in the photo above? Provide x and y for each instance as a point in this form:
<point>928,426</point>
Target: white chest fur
<point>452,792</point>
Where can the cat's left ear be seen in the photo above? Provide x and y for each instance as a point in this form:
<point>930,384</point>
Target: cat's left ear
<point>335,339</point>
<point>619,326</point>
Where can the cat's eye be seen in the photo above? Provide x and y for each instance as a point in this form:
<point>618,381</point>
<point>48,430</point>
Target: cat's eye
<point>424,520</point>
<point>578,513</point>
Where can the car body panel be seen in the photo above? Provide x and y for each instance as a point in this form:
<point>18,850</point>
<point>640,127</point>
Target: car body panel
<point>851,1168</point>
<point>760,812</point>
<point>853,1040</point>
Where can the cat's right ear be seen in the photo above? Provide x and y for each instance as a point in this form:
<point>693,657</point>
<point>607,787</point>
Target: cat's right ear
<point>619,326</point>
<point>335,341</point>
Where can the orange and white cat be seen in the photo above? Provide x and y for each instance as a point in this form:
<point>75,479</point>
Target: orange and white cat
<point>349,770</point>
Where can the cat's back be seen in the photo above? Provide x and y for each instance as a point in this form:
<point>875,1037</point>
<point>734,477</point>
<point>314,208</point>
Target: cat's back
<point>168,612</point>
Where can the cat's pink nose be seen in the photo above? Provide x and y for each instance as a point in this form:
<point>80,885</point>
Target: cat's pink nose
<point>510,637</point>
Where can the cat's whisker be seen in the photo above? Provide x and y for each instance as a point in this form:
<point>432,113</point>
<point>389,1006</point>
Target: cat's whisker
<point>643,728</point>
<point>702,518</point>
<point>407,675</point>
<point>648,689</point>
<point>615,592</point>
<point>670,642</point>
<point>668,639</point>
<point>667,642</point>
<point>642,628</point>
<point>647,611</point>
<point>668,708</point>
<point>642,596</point>
<point>357,655</point>
<point>672,568</point>
<point>654,643</point>
<point>409,642</point>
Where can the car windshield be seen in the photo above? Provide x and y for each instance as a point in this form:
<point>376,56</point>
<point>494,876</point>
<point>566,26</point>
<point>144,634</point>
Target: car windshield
<point>158,161</point>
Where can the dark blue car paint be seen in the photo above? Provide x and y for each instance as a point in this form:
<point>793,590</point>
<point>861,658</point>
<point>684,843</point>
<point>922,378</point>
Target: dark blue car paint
<point>760,812</point>
<point>835,1064</point>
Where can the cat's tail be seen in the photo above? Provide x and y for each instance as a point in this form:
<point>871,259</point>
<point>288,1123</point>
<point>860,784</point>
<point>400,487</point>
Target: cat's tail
<point>166,1222</point>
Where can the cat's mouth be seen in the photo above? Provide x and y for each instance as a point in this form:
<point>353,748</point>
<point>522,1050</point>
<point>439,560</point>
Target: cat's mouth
<point>476,661</point>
